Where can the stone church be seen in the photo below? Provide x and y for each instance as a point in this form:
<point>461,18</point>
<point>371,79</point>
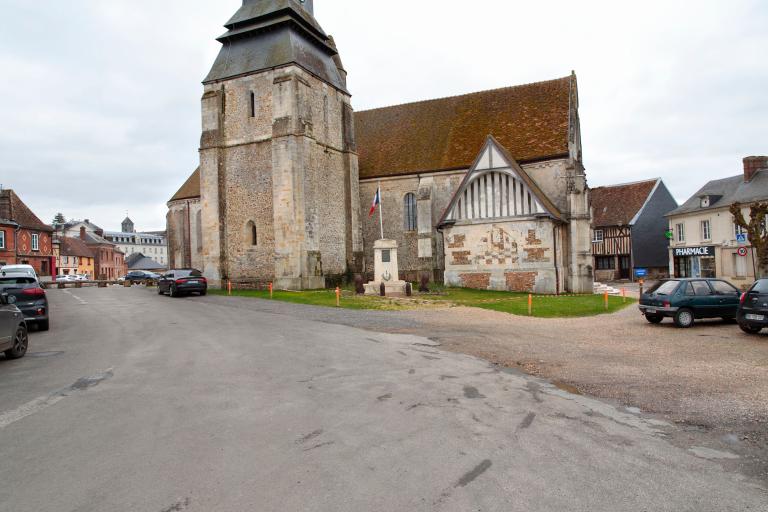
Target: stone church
<point>485,190</point>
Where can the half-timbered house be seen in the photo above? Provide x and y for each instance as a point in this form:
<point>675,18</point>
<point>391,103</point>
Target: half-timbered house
<point>629,230</point>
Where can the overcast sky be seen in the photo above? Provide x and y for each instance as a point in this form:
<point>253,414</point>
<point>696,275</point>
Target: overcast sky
<point>100,99</point>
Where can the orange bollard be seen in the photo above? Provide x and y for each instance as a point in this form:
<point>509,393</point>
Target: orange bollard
<point>530,304</point>
<point>605,298</point>
<point>271,290</point>
<point>338,297</point>
<point>229,287</point>
<point>624,294</point>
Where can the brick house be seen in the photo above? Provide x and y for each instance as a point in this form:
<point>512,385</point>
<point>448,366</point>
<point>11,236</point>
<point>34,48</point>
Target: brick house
<point>109,261</point>
<point>24,238</point>
<point>75,257</point>
<point>629,229</point>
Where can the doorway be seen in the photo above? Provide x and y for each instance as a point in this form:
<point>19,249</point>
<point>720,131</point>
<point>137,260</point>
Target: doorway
<point>625,267</point>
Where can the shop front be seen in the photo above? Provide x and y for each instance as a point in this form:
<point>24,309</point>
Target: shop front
<point>695,261</point>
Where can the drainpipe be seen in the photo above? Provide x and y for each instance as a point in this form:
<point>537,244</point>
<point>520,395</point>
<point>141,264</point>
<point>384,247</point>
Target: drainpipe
<point>557,269</point>
<point>16,241</point>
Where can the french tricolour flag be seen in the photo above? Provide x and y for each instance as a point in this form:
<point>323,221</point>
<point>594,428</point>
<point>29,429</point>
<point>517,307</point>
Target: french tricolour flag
<point>376,202</point>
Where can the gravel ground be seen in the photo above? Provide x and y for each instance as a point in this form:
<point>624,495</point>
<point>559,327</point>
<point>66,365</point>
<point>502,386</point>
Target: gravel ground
<point>712,379</point>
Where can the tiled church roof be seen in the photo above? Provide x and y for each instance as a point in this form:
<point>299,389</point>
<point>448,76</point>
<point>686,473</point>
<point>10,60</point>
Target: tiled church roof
<point>531,121</point>
<point>190,189</point>
<point>617,205</point>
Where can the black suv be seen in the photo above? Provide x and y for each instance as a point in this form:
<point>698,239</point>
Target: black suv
<point>182,281</point>
<point>753,311</point>
<point>29,296</point>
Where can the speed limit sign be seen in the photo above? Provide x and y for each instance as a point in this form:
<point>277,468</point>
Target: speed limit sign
<point>742,251</point>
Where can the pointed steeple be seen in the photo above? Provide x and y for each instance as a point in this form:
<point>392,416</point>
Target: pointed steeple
<point>265,34</point>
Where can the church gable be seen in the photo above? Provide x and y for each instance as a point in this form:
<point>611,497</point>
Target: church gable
<point>496,187</point>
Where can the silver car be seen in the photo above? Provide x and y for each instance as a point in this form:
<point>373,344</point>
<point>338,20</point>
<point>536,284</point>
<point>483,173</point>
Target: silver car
<point>14,339</point>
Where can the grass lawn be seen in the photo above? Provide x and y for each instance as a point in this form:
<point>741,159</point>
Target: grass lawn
<point>565,306</point>
<point>544,306</point>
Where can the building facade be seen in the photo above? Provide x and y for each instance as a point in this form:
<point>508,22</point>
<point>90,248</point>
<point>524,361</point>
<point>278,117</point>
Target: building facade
<point>483,190</point>
<point>706,241</point>
<point>24,238</point>
<point>151,245</point>
<point>629,230</point>
<point>278,169</point>
<point>75,257</point>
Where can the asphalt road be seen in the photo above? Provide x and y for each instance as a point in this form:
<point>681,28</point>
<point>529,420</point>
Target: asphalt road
<point>135,402</point>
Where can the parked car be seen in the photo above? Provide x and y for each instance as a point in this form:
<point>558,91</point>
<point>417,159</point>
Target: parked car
<point>81,277</point>
<point>753,311</point>
<point>686,300</point>
<point>19,269</point>
<point>140,276</point>
<point>14,339</point>
<point>183,281</point>
<point>66,279</point>
<point>29,297</point>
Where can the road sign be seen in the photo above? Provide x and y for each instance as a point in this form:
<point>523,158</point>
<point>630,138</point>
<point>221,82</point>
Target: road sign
<point>743,251</point>
<point>741,238</point>
<point>641,272</point>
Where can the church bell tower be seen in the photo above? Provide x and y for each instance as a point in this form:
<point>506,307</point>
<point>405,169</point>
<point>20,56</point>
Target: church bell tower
<point>279,171</point>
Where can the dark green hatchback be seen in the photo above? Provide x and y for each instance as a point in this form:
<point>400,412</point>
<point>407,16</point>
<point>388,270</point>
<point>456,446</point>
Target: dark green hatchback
<point>686,300</point>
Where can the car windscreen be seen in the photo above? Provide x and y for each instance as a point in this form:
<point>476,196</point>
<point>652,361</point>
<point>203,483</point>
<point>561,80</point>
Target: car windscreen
<point>16,282</point>
<point>665,288</point>
<point>761,286</point>
<point>188,273</point>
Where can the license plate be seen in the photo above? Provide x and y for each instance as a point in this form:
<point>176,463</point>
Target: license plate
<point>650,311</point>
<point>759,318</point>
<point>193,282</point>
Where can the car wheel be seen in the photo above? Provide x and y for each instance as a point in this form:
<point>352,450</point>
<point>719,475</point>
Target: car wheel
<point>684,318</point>
<point>20,344</point>
<point>750,329</point>
<point>654,319</point>
<point>173,292</point>
<point>43,325</point>
<point>159,291</point>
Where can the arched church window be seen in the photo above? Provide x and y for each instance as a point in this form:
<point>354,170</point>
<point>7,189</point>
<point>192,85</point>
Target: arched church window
<point>409,206</point>
<point>251,233</point>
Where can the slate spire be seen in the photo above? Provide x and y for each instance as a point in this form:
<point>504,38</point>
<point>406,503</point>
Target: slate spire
<point>266,34</point>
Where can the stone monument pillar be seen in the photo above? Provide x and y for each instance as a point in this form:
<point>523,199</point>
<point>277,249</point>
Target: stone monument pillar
<point>385,269</point>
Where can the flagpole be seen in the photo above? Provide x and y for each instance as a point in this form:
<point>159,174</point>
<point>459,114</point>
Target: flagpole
<point>381,211</point>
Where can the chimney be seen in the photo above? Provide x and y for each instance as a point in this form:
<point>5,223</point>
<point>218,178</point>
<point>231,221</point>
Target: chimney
<point>752,164</point>
<point>82,233</point>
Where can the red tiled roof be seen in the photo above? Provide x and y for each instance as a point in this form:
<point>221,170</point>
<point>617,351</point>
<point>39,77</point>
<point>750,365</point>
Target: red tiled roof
<point>530,121</point>
<point>617,205</point>
<point>71,246</point>
<point>190,189</point>
<point>13,208</point>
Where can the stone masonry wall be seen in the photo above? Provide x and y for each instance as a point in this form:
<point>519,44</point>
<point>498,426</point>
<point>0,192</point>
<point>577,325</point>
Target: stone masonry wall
<point>284,169</point>
<point>515,255</point>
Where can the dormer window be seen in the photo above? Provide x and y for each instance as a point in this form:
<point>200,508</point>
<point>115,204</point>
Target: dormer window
<point>705,202</point>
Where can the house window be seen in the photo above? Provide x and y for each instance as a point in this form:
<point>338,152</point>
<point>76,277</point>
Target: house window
<point>705,202</point>
<point>706,230</point>
<point>410,212</point>
<point>680,229</point>
<point>599,236</point>
<point>2,239</point>
<point>605,263</point>
<point>35,242</point>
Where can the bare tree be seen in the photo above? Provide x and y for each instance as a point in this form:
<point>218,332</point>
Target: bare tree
<point>757,231</point>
